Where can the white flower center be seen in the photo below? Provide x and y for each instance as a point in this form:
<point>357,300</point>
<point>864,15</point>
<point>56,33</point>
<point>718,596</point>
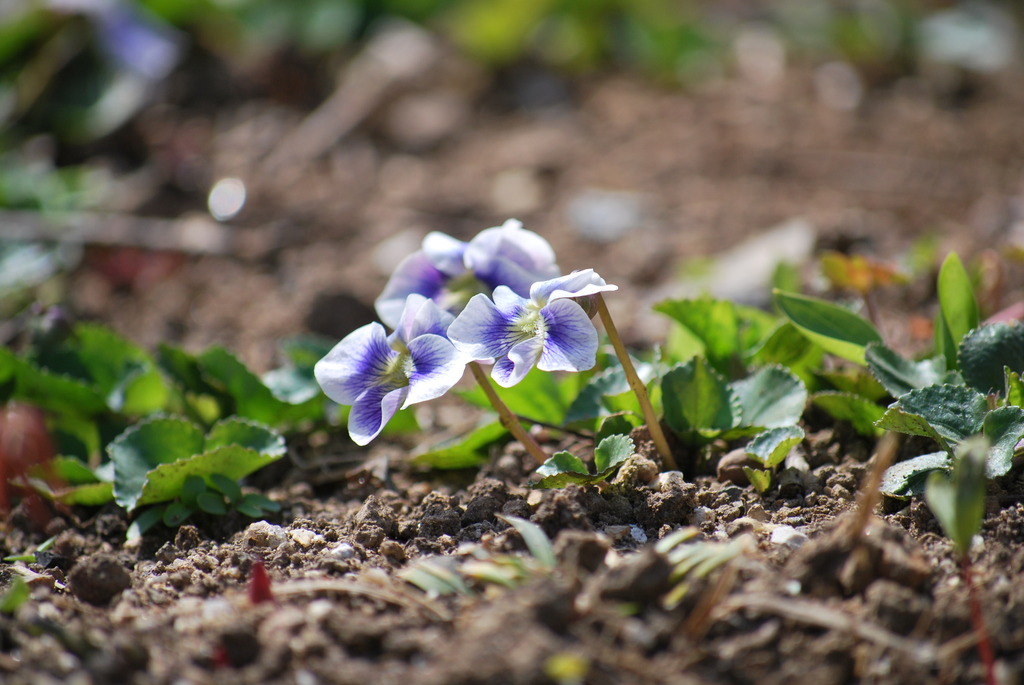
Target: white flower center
<point>530,323</point>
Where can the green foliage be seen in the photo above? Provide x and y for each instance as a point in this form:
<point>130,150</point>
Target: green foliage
<point>958,309</point>
<point>464,451</point>
<point>541,396</point>
<point>564,468</point>
<point>700,404</point>
<point>958,501</point>
<point>985,353</point>
<point>899,375</point>
<point>771,447</point>
<point>837,330</point>
<point>153,459</point>
<point>18,592</point>
<point>863,414</point>
<point>724,333</point>
<point>693,560</point>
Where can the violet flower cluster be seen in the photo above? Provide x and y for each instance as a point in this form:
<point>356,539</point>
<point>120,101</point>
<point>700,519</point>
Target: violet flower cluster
<point>498,299</point>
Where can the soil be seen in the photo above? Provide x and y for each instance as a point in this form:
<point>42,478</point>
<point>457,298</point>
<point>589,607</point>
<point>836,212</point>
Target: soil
<point>811,586</point>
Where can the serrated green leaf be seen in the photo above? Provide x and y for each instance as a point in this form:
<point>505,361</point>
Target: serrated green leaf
<point>899,375</point>
<point>956,298</point>
<point>771,447</point>
<point>862,414</point>
<point>212,503</point>
<point>71,471</point>
<point>698,400</point>
<point>563,462</point>
<point>985,352</point>
<point>227,486</point>
<point>49,391</point>
<point>1004,428</point>
<point>238,431</point>
<point>908,478</point>
<point>465,451</point>
<point>589,403</point>
<point>958,501</point>
<point>176,513</point>
<point>837,330</point>
<point>770,398</point>
<point>164,482</point>
<point>612,451</point>
<point>143,447</point>
<point>945,413</point>
<point>536,541</point>
<point>761,479</point>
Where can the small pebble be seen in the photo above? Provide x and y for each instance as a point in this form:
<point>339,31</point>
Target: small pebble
<point>757,512</point>
<point>743,525</point>
<point>638,534</point>
<point>341,551</point>
<point>305,537</point>
<point>788,536</point>
<point>702,515</point>
<point>263,534</point>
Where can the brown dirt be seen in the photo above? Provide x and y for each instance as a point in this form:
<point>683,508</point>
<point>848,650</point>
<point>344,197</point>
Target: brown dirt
<point>812,603</point>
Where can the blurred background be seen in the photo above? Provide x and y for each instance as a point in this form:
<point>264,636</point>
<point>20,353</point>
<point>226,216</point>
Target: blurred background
<point>236,171</point>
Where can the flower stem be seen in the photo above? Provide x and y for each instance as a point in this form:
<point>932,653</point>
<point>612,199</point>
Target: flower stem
<point>508,419</point>
<point>988,660</point>
<point>637,386</point>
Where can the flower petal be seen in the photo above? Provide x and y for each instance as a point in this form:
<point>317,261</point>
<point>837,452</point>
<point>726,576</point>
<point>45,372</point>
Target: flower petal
<point>445,253</point>
<point>483,331</point>
<point>512,256</point>
<point>521,358</point>
<point>422,316</point>
<point>414,275</point>
<point>577,284</point>
<point>372,411</point>
<point>354,364</point>
<point>437,366</point>
<point>571,341</point>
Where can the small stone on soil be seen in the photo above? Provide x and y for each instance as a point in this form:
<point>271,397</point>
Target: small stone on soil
<point>97,579</point>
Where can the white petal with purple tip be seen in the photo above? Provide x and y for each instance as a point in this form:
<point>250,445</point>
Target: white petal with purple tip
<point>372,411</point>
<point>571,341</point>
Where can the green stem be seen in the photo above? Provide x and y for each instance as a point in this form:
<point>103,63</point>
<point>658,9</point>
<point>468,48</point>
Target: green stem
<point>637,386</point>
<point>508,419</point>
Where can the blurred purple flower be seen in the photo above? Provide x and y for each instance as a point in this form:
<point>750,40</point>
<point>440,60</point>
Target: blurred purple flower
<point>450,271</point>
<point>550,330</point>
<point>378,374</point>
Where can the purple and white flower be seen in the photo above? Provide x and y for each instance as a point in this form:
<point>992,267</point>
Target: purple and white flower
<point>378,374</point>
<point>450,271</point>
<point>550,330</point>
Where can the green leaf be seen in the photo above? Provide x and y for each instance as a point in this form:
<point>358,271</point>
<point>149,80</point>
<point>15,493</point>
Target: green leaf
<point>212,503</point>
<point>617,424</point>
<point>536,541</point>
<point>49,391</point>
<point>18,592</point>
<point>761,479</point>
<point>956,298</point>
<point>771,447</point>
<point>86,495</point>
<point>144,521</point>
<point>862,414</point>
<point>175,514</point>
<point>164,482</point>
<point>465,451</point>
<point>945,413</point>
<point>945,346</point>
<point>540,396</point>
<point>72,471</point>
<point>252,399</point>
<point>238,431</point>
<point>1014,388</point>
<point>589,403</point>
<point>698,400</point>
<point>898,375</point>
<point>837,330</point>
<point>713,322</point>
<point>907,478</point>
<point>985,353</point>
<point>563,462</point>
<point>143,447</point>
<point>191,489</point>
<point>612,451</point>
<point>227,486</point>
<point>1004,428</point>
<point>255,499</point>
<point>855,380</point>
<point>770,398</point>
<point>958,502</point>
